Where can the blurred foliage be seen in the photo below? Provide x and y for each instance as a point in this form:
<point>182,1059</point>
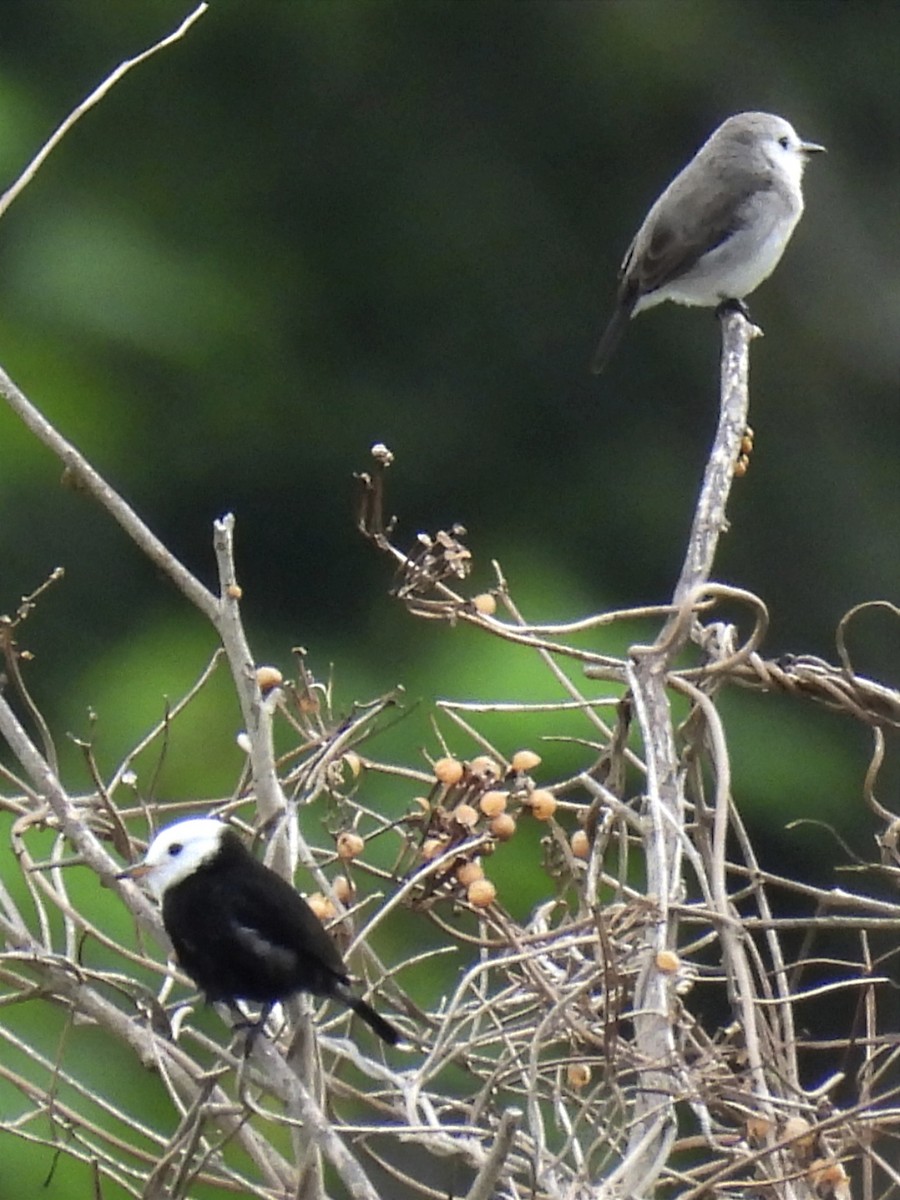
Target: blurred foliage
<point>311,226</point>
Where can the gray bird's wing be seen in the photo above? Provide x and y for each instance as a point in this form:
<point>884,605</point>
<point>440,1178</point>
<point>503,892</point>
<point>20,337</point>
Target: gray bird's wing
<point>677,234</point>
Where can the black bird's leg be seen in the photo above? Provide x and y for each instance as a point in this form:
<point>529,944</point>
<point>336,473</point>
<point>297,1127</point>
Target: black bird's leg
<point>252,1028</point>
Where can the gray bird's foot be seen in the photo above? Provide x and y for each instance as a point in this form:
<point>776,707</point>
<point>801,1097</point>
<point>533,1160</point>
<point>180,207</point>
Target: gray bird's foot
<point>730,306</point>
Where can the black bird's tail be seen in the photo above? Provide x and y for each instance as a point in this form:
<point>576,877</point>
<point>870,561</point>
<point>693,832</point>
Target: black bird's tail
<point>367,1013</point>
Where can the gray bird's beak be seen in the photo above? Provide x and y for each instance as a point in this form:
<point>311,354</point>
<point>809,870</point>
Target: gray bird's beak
<point>812,148</point>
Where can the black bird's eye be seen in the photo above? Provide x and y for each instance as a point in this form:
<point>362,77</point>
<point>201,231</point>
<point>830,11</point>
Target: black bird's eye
<point>175,849</point>
<point>784,142</point>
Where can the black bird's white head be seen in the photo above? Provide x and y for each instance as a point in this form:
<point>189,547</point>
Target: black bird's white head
<point>178,851</point>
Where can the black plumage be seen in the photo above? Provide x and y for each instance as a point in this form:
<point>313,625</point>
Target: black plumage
<point>238,929</point>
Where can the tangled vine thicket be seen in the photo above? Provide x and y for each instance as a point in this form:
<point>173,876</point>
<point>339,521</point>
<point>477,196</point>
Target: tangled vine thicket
<point>644,1030</point>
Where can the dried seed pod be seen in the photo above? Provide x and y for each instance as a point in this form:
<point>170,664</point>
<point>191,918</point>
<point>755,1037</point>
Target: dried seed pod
<point>578,1075</point>
<point>581,844</point>
<point>503,827</point>
<point>484,769</point>
<point>448,771</point>
<point>542,804</point>
<point>353,763</point>
<point>493,803</point>
<point>525,760</point>
<point>349,844</point>
<point>481,893</point>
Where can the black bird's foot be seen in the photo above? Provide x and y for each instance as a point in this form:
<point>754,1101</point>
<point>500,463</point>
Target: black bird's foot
<point>731,306</point>
<point>252,1029</point>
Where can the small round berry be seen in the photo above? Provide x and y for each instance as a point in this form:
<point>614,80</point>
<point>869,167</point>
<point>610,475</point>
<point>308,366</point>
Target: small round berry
<point>349,844</point>
<point>525,760</point>
<point>448,771</point>
<point>481,893</point>
<point>578,1075</point>
<point>668,962</point>
<point>465,815</point>
<point>493,803</point>
<point>468,872</point>
<point>485,604</point>
<point>542,803</point>
<point>503,827</point>
<point>343,889</point>
<point>432,847</point>
<point>581,844</point>
<point>268,678</point>
<point>322,906</point>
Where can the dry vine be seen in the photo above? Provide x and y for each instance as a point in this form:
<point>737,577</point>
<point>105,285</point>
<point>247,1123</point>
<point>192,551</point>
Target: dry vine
<point>573,1055</point>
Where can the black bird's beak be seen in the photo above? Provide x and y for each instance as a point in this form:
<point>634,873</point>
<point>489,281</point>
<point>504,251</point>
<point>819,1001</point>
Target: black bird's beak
<point>138,871</point>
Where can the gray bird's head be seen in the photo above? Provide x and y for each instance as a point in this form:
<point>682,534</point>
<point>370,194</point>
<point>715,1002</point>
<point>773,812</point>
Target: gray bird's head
<point>771,138</point>
<point>176,852</point>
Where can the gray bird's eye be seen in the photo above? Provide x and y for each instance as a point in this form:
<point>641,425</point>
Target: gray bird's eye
<point>784,142</point>
<point>175,849</point>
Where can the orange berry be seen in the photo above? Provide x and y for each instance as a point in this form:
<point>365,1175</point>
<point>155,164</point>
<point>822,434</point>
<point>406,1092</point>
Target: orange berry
<point>481,893</point>
<point>468,872</point>
<point>503,827</point>
<point>448,771</point>
<point>581,844</point>
<point>543,804</point>
<point>322,906</point>
<point>432,847</point>
<point>343,889</point>
<point>493,803</point>
<point>578,1075</point>
<point>349,844</point>
<point>465,815</point>
<point>668,962</point>
<point>268,678</point>
<point>525,760</point>
<point>485,604</point>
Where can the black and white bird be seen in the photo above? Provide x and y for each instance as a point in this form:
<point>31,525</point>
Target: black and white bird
<point>239,930</point>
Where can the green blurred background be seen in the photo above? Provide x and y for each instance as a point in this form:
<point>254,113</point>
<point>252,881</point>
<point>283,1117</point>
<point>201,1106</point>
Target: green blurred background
<point>312,226</point>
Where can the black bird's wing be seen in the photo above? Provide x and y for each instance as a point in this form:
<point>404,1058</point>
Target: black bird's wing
<point>243,933</point>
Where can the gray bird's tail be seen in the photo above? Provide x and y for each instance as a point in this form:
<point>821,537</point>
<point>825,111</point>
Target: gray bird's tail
<point>612,335</point>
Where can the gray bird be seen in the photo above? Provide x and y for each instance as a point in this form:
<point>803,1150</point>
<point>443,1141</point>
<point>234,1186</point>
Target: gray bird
<point>720,227</point>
